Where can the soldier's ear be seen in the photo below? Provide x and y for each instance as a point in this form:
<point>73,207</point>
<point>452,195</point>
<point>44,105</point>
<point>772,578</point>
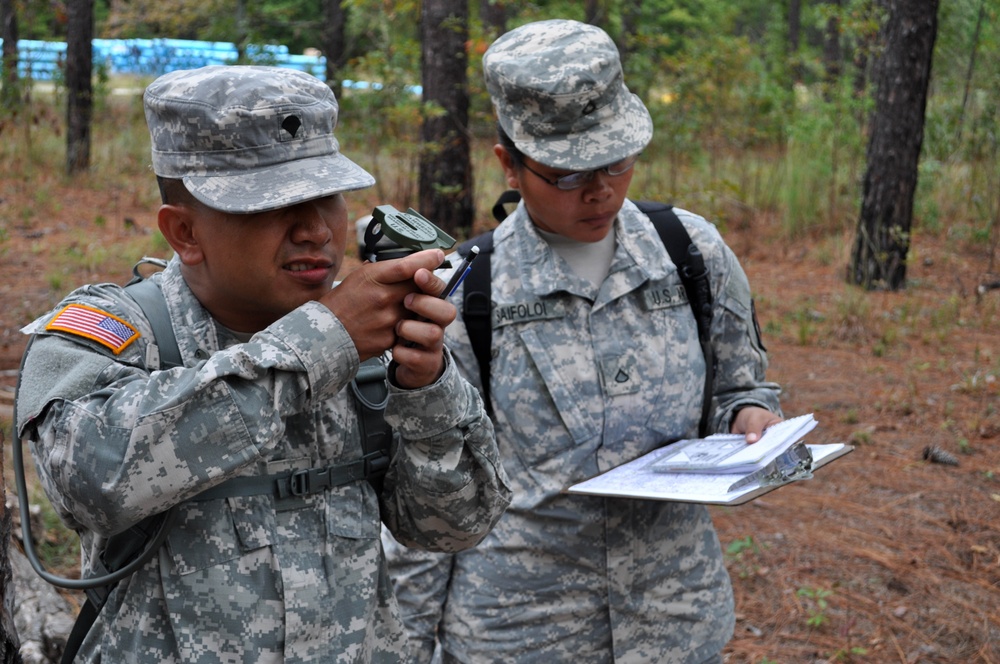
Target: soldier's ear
<point>177,223</point>
<point>507,163</point>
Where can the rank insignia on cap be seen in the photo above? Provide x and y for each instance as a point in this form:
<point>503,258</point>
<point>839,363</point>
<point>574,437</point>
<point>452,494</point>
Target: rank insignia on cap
<point>94,324</point>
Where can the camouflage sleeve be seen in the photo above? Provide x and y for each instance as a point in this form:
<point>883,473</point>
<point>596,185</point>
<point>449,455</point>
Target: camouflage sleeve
<point>741,360</point>
<point>446,487</point>
<point>115,443</point>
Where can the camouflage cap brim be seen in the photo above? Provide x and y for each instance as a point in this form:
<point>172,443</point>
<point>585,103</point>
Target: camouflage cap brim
<point>279,186</point>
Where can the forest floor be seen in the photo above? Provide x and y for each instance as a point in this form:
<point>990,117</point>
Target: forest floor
<point>884,556</point>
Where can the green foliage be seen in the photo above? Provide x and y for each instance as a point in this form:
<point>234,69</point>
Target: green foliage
<point>742,553</point>
<point>818,605</point>
<point>861,438</point>
<point>58,546</point>
<point>848,654</point>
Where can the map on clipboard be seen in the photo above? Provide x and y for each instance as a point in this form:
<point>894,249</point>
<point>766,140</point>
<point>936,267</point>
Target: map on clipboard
<point>720,469</point>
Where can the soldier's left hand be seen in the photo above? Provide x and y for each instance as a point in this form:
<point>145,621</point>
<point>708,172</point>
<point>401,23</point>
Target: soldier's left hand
<point>752,420</point>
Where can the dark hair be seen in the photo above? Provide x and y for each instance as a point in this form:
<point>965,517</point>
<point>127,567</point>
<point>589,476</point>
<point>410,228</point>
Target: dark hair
<point>516,156</point>
<point>173,192</point>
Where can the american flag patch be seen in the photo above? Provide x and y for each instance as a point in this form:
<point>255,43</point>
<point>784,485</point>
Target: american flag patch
<point>100,326</point>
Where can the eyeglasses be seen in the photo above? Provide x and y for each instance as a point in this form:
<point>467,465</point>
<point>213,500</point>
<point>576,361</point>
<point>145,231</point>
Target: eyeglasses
<point>579,178</point>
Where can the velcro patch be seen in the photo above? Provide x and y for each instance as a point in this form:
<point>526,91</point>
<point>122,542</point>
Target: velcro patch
<point>94,324</point>
<point>524,312</point>
<point>660,295</point>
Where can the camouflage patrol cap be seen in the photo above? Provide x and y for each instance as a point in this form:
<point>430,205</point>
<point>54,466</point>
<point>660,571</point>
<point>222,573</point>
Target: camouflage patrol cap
<point>247,138</point>
<point>559,93</point>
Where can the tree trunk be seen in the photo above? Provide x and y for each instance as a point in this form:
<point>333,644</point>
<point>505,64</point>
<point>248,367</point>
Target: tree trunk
<point>242,32</point>
<point>832,51</point>
<point>795,39</point>
<point>9,643</point>
<point>631,20</point>
<point>493,16</point>
<point>334,45</point>
<point>79,90</point>
<point>972,67</point>
<point>902,76</point>
<point>10,96</point>
<point>445,161</point>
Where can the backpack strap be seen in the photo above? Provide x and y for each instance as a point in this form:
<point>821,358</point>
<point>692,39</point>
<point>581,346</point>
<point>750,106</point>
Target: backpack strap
<point>124,554</point>
<point>694,275</point>
<point>510,196</point>
<point>370,388</point>
<point>149,297</point>
<point>476,306</point>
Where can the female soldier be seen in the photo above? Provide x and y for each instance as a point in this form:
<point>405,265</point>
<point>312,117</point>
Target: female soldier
<point>589,370</point>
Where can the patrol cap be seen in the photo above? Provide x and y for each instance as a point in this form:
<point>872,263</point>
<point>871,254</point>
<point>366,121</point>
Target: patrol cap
<point>248,138</point>
<point>559,93</point>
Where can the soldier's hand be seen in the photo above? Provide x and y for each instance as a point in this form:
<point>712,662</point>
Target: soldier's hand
<point>370,301</point>
<point>752,421</point>
<point>418,355</point>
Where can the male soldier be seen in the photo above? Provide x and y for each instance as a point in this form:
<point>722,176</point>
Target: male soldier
<point>254,442</point>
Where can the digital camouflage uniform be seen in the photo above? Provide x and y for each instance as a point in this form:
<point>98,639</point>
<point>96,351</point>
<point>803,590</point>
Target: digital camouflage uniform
<point>246,579</point>
<point>584,379</point>
<point>244,576</point>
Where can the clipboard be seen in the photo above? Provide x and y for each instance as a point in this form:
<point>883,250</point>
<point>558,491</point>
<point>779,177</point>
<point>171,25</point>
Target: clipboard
<point>636,479</point>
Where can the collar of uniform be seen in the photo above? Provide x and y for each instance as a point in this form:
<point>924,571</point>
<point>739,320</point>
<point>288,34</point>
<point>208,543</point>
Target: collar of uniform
<point>197,336</point>
<point>542,272</point>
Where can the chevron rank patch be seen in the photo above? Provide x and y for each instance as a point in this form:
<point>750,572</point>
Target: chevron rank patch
<point>94,324</point>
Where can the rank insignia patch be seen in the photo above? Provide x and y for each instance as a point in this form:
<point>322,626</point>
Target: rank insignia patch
<point>94,324</point>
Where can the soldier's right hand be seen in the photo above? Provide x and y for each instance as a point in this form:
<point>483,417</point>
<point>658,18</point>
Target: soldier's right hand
<point>369,301</point>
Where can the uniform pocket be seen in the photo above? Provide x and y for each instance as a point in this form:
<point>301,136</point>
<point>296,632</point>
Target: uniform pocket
<point>204,535</point>
<point>539,399</point>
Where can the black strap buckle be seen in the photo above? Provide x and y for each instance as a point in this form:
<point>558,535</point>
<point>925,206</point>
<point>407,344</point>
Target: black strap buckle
<point>376,464</point>
<point>307,481</point>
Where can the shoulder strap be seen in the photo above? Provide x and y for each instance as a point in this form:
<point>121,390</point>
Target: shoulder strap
<point>149,297</point>
<point>477,304</point>
<point>371,393</point>
<point>510,196</point>
<point>694,275</point>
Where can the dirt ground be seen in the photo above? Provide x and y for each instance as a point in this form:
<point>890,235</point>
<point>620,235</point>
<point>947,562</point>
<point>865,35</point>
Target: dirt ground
<point>884,556</point>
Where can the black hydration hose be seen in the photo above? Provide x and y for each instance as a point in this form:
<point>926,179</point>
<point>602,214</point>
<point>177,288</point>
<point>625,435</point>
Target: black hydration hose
<point>29,548</point>
<point>78,584</point>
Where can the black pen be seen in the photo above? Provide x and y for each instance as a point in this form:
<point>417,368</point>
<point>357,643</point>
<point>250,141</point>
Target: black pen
<point>456,280</point>
<point>459,276</point>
